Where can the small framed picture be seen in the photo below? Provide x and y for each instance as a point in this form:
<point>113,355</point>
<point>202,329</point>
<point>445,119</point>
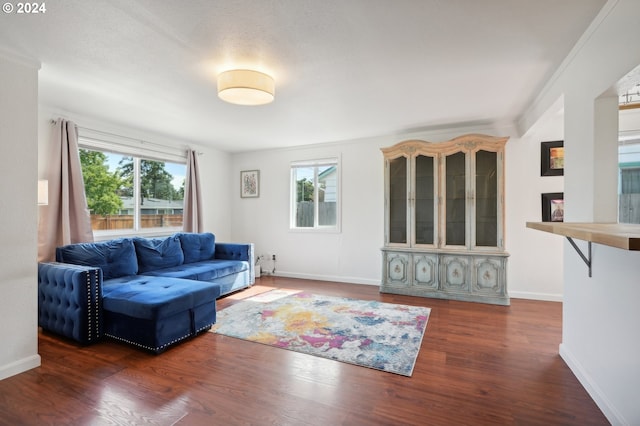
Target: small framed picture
<point>250,183</point>
<point>553,207</point>
<point>552,158</point>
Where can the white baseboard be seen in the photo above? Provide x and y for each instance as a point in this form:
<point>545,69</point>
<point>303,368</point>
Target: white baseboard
<point>548,297</point>
<point>367,281</point>
<point>348,280</point>
<point>592,387</point>
<point>19,366</point>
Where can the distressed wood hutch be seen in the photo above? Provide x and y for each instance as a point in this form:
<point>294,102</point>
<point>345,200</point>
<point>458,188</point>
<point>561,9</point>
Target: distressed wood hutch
<point>444,219</point>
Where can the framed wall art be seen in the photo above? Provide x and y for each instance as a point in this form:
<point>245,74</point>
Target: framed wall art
<point>553,207</point>
<point>250,183</point>
<point>552,158</point>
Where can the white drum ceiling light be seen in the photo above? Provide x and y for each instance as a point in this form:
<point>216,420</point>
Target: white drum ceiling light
<point>246,87</point>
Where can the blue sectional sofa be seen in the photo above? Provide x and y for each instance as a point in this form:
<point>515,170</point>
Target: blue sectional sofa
<point>151,293</point>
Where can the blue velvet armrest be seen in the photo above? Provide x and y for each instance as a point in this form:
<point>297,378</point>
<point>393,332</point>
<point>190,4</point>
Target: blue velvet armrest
<point>70,301</point>
<point>237,251</point>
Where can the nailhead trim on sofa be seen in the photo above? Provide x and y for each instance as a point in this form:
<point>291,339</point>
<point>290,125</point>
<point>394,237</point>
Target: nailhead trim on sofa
<point>93,288</point>
<point>149,348</point>
<point>84,322</point>
<point>159,348</point>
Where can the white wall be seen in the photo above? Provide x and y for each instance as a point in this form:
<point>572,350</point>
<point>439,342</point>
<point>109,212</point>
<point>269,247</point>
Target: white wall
<point>600,316</point>
<point>536,261</point>
<point>353,255</point>
<point>18,210</point>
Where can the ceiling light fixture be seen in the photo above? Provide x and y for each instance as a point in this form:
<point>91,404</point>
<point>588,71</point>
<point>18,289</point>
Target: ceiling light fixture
<point>246,87</point>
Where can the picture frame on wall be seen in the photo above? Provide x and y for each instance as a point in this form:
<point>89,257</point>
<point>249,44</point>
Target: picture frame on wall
<point>250,183</point>
<point>553,207</point>
<point>552,158</point>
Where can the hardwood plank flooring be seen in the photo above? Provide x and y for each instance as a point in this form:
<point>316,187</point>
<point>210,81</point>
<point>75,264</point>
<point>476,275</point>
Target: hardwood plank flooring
<point>478,365</point>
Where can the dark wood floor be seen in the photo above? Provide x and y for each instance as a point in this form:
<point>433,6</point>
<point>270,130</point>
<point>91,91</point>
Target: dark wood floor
<point>478,365</point>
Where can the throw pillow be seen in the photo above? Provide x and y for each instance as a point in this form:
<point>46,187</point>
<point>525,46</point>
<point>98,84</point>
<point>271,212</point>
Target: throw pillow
<point>158,253</point>
<point>197,247</point>
<point>116,258</point>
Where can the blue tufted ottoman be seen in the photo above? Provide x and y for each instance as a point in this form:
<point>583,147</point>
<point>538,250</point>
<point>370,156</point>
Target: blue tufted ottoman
<point>155,312</point>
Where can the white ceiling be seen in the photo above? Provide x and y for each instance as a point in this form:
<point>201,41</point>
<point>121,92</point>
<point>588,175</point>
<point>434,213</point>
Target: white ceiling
<point>344,69</point>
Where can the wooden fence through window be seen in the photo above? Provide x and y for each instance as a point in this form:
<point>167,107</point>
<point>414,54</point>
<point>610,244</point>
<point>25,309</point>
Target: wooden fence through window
<point>326,214</point>
<point>125,221</point>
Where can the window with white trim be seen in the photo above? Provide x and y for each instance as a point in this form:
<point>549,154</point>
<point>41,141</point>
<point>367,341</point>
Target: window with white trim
<point>315,195</point>
<point>130,192</point>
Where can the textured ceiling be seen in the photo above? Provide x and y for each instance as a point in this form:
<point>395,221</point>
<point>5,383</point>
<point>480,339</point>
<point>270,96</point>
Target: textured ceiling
<point>344,69</point>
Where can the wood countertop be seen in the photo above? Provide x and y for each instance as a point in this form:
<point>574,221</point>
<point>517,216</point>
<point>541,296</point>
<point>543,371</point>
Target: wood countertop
<point>620,235</point>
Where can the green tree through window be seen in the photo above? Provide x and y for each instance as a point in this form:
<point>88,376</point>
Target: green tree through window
<point>116,205</point>
<point>155,181</point>
<point>100,186</point>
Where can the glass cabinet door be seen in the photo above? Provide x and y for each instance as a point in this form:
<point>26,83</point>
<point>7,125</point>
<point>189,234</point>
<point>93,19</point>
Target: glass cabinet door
<point>424,200</point>
<point>398,200</point>
<point>456,200</point>
<point>486,211</point>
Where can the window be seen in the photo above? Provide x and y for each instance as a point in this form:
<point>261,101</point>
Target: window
<point>629,180</point>
<point>629,195</point>
<point>131,194</point>
<point>315,194</point>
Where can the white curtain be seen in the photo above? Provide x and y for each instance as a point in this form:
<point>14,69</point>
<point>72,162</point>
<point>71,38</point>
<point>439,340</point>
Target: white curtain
<point>66,219</point>
<point>192,216</point>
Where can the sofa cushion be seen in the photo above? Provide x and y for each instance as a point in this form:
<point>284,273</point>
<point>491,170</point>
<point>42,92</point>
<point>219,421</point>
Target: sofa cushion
<point>202,271</point>
<point>155,297</point>
<point>157,253</point>
<point>116,258</point>
<point>197,247</point>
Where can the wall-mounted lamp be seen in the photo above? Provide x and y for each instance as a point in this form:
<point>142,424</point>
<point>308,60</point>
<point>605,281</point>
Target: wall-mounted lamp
<point>246,87</point>
<point>43,192</point>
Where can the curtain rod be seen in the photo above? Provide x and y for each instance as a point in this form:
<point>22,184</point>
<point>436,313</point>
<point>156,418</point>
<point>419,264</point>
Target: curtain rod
<point>140,141</point>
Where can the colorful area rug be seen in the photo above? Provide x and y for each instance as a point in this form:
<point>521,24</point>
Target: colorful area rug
<point>383,336</point>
